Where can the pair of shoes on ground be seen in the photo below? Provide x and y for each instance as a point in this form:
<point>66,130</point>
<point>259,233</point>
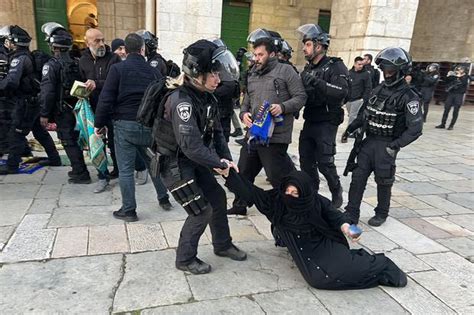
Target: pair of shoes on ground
<point>451,127</point>
<point>376,220</point>
<point>197,266</point>
<point>131,215</point>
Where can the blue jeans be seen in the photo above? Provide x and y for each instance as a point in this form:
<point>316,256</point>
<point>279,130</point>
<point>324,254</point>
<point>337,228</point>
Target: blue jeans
<point>132,138</point>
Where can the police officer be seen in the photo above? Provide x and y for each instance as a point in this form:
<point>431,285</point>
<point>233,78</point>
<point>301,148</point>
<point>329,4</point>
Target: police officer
<point>191,142</point>
<point>457,85</point>
<point>21,84</point>
<point>56,104</point>
<point>6,104</point>
<point>391,119</point>
<point>285,54</point>
<point>326,83</point>
<point>429,79</point>
<point>167,68</point>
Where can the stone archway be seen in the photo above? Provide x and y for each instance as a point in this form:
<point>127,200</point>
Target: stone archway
<point>78,14</point>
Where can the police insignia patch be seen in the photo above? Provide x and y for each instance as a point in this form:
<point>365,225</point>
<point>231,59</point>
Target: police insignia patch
<point>154,63</point>
<point>45,70</point>
<point>413,107</point>
<point>184,111</point>
<point>14,62</point>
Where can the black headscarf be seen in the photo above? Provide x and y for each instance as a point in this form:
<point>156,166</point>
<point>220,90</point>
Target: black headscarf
<point>303,214</point>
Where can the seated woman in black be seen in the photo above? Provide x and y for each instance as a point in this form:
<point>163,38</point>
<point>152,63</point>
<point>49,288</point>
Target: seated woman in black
<point>313,231</point>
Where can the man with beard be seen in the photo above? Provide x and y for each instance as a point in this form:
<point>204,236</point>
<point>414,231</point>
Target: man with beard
<point>94,66</point>
<point>374,73</point>
<point>326,82</point>
<point>279,85</point>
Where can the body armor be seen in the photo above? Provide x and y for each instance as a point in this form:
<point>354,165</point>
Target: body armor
<point>381,113</point>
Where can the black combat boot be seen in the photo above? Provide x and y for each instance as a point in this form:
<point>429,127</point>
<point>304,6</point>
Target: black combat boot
<point>81,178</point>
<point>442,126</point>
<point>377,220</point>
<point>236,209</point>
<point>233,252</point>
<point>337,197</point>
<point>5,170</point>
<point>165,203</point>
<point>127,216</point>
<point>451,127</point>
<point>197,267</point>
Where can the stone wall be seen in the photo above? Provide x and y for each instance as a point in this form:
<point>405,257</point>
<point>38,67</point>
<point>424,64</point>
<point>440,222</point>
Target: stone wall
<point>14,12</point>
<point>367,26</point>
<point>443,32</point>
<point>285,16</point>
<point>117,18</point>
<point>181,22</point>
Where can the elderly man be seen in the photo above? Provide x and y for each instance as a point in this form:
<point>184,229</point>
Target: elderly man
<point>94,66</point>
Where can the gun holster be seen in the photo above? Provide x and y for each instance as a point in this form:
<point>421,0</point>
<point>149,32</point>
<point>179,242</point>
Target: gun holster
<point>187,193</point>
<point>154,162</point>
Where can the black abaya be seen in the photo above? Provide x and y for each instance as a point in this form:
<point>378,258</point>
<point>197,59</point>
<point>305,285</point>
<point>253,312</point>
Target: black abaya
<point>314,239</point>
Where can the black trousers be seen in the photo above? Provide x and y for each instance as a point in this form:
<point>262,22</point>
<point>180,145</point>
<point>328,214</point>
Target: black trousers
<point>373,157</point>
<point>273,159</point>
<point>454,101</point>
<point>215,213</point>
<point>226,126</point>
<point>6,109</point>
<point>25,119</point>
<point>317,148</point>
<point>66,123</point>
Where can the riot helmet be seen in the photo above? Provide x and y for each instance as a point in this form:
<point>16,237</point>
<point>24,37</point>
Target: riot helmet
<point>205,56</point>
<point>56,35</point>
<point>432,67</point>
<point>16,36</point>
<point>314,33</point>
<point>260,33</point>
<point>395,63</point>
<point>151,41</point>
<point>286,49</point>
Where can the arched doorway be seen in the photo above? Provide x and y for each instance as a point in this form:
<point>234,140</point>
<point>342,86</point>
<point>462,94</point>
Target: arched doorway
<point>82,15</point>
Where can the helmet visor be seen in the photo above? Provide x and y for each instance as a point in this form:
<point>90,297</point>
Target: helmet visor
<point>395,56</point>
<point>257,34</point>
<point>50,27</point>
<point>224,63</point>
<point>308,32</point>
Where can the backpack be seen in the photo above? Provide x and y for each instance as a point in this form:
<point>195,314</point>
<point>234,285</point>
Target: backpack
<point>39,59</point>
<point>155,93</point>
<point>69,73</point>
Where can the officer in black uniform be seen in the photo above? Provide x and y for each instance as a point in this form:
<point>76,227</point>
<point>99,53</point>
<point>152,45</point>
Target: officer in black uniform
<point>285,54</point>
<point>189,138</point>
<point>22,87</point>
<point>56,104</point>
<point>457,84</point>
<point>6,103</point>
<point>326,83</point>
<point>391,119</point>
<point>427,86</point>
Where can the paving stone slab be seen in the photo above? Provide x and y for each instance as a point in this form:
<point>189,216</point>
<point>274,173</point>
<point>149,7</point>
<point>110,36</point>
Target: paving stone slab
<point>433,212</point>
<point>151,280</point>
<point>448,226</point>
<point>408,238</point>
<point>465,200</point>
<point>443,204</point>
<point>400,213</point>
<point>5,233</point>
<point>459,186</point>
<point>368,301</point>
<point>49,191</point>
<point>376,242</point>
<point>262,225</point>
<point>420,188</point>
<point>32,222</point>
<point>444,176</point>
<point>58,177</point>
<point>407,261</point>
<point>424,303</point>
<point>457,268</point>
<point>69,286</point>
<point>242,230</point>
<point>152,213</point>
<point>464,246</point>
<point>15,192</point>
<point>464,220</point>
<point>410,202</point>
<point>144,237</point>
<point>12,211</point>
<point>42,206</point>
<point>74,196</point>
<point>426,228</point>
<point>83,216</point>
<point>107,239</point>
<point>445,289</point>
<point>233,305</point>
<point>36,178</point>
<point>294,301</point>
<point>28,245</point>
<point>172,230</point>
<point>71,242</point>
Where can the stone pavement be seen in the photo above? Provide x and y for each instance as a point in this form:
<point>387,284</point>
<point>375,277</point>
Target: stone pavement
<point>62,251</point>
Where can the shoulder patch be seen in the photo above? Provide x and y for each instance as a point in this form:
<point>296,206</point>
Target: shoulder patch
<point>184,111</point>
<point>14,62</point>
<point>413,107</point>
<point>154,63</point>
<point>45,70</point>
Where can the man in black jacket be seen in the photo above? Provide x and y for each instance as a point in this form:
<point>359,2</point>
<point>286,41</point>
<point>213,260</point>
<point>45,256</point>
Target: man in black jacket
<point>374,73</point>
<point>94,66</point>
<point>121,96</point>
<point>427,86</point>
<point>326,83</point>
<point>360,88</point>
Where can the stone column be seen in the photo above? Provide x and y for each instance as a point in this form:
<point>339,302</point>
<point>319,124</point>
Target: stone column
<point>19,13</point>
<point>368,26</point>
<point>181,22</point>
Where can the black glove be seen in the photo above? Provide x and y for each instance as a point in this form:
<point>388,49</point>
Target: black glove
<point>308,79</point>
<point>391,152</point>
